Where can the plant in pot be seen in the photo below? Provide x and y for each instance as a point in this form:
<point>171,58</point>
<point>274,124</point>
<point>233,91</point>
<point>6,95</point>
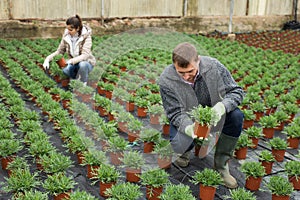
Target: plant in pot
<point>81,194</point>
<point>129,100</point>
<point>279,187</point>
<point>150,137</point>
<point>126,190</point>
<point>254,133</point>
<point>142,105</point>
<point>31,194</point>
<point>254,173</point>
<point>278,146</point>
<point>154,180</point>
<point>55,162</point>
<point>165,122</point>
<point>282,118</point>
<point>258,109</point>
<point>268,123</point>
<point>249,117</point>
<point>116,147</point>
<point>8,150</point>
<point>122,119</point>
<point>180,191</point>
<point>266,158</point>
<point>40,148</point>
<point>133,162</point>
<point>291,109</point>
<point>209,180</point>
<point>21,180</point>
<point>59,185</point>
<point>134,127</point>
<point>240,194</point>
<point>242,145</point>
<point>107,175</point>
<point>60,60</point>
<point>271,103</point>
<point>293,135</point>
<point>17,163</point>
<point>203,116</point>
<point>292,169</point>
<point>164,152</point>
<point>155,111</point>
<point>93,159</point>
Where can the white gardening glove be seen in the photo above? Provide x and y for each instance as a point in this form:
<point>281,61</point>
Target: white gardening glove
<point>46,64</point>
<point>189,130</point>
<point>219,111</point>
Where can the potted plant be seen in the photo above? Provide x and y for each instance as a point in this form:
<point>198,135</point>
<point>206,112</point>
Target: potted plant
<point>268,123</point>
<point>209,180</point>
<point>21,180</point>
<point>258,109</point>
<point>59,185</point>
<point>292,169</point>
<point>79,195</point>
<point>93,159</point>
<point>203,116</point>
<point>129,100</point>
<point>150,137</point>
<point>239,194</point>
<point>116,146</point>
<point>127,190</point>
<point>60,60</point>
<point>254,133</point>
<point>134,127</point>
<point>155,111</point>
<point>279,187</point>
<point>266,158</point>
<point>282,118</point>
<point>122,119</point>
<point>165,122</point>
<point>142,105</point>
<point>133,162</point>
<point>107,176</point>
<point>249,117</point>
<point>254,172</point>
<point>242,145</point>
<point>154,180</point>
<point>17,163</point>
<point>179,191</point>
<point>293,135</point>
<point>8,149</point>
<point>164,152</point>
<point>291,109</point>
<point>31,194</point>
<point>278,146</point>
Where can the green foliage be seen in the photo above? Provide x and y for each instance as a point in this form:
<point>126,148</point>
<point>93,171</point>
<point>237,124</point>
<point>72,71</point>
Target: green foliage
<point>124,191</point>
<point>266,155</point>
<point>248,114</point>
<point>278,143</point>
<point>240,194</point>
<point>292,130</point>
<point>243,141</point>
<point>268,121</point>
<point>80,195</point>
<point>94,157</point>
<point>150,135</point>
<point>254,131</point>
<point>203,115</point>
<point>9,147</point>
<point>117,143</point>
<point>163,148</point>
<point>207,177</point>
<point>292,168</point>
<point>280,186</point>
<point>108,173</point>
<point>55,162</point>
<point>155,177</point>
<point>177,192</point>
<point>59,183</point>
<point>252,168</point>
<point>31,195</point>
<point>133,159</point>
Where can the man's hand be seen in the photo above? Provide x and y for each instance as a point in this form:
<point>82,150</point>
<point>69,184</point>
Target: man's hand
<point>46,64</point>
<point>189,130</point>
<point>219,111</point>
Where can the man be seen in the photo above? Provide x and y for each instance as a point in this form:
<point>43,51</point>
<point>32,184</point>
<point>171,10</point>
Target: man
<point>192,80</point>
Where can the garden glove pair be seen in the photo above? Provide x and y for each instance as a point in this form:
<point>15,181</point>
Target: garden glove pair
<point>219,111</point>
<point>46,64</point>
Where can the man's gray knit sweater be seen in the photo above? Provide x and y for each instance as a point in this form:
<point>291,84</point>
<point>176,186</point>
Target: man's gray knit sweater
<point>214,84</point>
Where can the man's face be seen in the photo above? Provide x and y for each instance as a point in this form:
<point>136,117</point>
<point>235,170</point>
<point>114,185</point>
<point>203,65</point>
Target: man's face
<point>188,73</point>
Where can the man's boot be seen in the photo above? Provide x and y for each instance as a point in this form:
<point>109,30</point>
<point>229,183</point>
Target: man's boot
<point>224,151</point>
<point>183,160</point>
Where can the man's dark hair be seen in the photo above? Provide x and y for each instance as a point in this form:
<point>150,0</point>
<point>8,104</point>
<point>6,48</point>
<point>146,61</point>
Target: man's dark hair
<point>184,54</point>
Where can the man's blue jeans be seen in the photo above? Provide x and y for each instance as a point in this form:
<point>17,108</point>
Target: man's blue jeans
<point>81,69</point>
<point>232,127</point>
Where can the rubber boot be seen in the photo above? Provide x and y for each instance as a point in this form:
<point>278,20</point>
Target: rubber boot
<point>183,160</point>
<point>224,151</point>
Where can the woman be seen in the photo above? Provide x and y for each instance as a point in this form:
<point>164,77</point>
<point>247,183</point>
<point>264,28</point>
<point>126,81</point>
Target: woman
<point>77,43</point>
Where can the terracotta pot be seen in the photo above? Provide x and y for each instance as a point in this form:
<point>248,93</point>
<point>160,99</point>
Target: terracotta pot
<point>293,142</point>
<point>295,182</point>
<point>241,153</point>
<point>115,158</point>
<point>253,183</point>
<point>268,132</point>
<point>104,186</point>
<point>132,137</point>
<point>166,129</point>
<point>276,197</point>
<point>278,154</point>
<point>152,193</point>
<point>207,192</point>
<point>111,117</point>
<point>164,163</point>
<point>91,170</point>
<point>6,160</point>
<point>65,82</point>
<point>55,97</point>
<point>80,157</point>
<point>65,103</point>
<point>254,142</point>
<point>122,126</point>
<point>108,94</point>
<point>141,112</point>
<point>65,195</point>
<point>280,126</point>
<point>267,165</point>
<point>148,147</point>
<point>270,111</point>
<point>129,106</point>
<point>100,90</point>
<point>201,131</point>
<point>38,164</point>
<point>61,63</point>
<point>154,119</point>
<point>248,123</point>
<point>258,115</point>
<point>132,175</point>
<point>102,111</point>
